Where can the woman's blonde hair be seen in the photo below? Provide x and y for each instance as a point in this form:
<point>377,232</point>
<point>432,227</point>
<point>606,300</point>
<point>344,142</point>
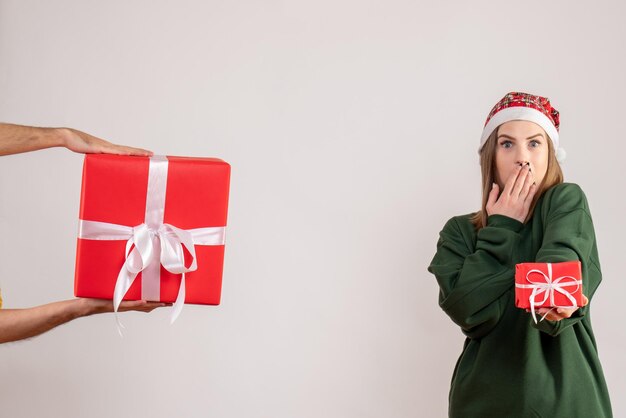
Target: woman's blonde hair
<point>554,175</point>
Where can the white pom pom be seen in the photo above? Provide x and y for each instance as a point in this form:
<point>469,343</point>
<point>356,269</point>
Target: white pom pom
<point>560,155</point>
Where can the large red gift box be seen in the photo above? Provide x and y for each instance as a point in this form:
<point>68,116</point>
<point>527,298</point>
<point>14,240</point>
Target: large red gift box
<point>135,207</point>
<point>547,285</point>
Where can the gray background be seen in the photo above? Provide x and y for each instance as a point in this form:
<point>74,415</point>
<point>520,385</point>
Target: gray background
<point>352,128</point>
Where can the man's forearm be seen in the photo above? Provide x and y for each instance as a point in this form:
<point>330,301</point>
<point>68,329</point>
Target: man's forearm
<point>15,139</point>
<point>17,324</point>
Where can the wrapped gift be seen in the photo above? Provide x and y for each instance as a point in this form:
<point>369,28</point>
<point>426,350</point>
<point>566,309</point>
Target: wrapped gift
<point>152,228</point>
<point>548,285</point>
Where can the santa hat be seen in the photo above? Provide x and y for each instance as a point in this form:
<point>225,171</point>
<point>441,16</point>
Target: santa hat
<point>524,106</point>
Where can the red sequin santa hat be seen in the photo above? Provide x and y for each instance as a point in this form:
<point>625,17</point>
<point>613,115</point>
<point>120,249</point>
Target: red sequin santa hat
<point>524,106</point>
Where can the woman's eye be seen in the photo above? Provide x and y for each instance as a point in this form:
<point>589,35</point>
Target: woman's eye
<point>534,143</point>
<point>506,144</point>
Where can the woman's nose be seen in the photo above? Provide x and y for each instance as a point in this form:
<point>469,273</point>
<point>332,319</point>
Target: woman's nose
<point>522,157</point>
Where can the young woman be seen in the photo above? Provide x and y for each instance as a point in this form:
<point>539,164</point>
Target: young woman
<point>511,366</point>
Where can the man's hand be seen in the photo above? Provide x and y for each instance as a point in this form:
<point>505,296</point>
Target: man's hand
<point>15,139</point>
<point>557,314</point>
<point>94,306</point>
<point>84,143</point>
<point>516,197</point>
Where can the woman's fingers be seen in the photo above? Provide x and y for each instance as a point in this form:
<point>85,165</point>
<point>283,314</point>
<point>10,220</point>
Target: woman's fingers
<point>565,312</point>
<point>529,190</point>
<point>529,197</point>
<point>493,197</point>
<point>520,182</point>
<point>510,183</point>
<point>528,181</point>
<point>557,314</point>
<point>517,195</point>
<point>550,314</point>
<point>585,300</point>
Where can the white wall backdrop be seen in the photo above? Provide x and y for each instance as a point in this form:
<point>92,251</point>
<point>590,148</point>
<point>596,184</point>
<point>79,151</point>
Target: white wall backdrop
<point>352,128</point>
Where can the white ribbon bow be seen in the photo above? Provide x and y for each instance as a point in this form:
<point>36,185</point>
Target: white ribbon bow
<point>140,252</point>
<point>548,287</point>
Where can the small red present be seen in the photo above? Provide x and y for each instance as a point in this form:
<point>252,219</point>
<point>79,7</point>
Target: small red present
<point>160,220</point>
<point>547,285</point>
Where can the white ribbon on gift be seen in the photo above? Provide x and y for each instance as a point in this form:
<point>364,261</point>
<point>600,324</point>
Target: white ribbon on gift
<point>548,287</point>
<point>153,243</point>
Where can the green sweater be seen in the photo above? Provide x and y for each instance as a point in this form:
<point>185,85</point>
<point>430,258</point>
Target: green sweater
<point>511,367</point>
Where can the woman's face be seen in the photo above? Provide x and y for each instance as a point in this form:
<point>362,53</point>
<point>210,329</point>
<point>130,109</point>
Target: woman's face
<point>519,142</point>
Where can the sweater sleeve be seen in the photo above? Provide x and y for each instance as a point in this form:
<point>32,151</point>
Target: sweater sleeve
<point>569,235</point>
<point>474,282</point>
